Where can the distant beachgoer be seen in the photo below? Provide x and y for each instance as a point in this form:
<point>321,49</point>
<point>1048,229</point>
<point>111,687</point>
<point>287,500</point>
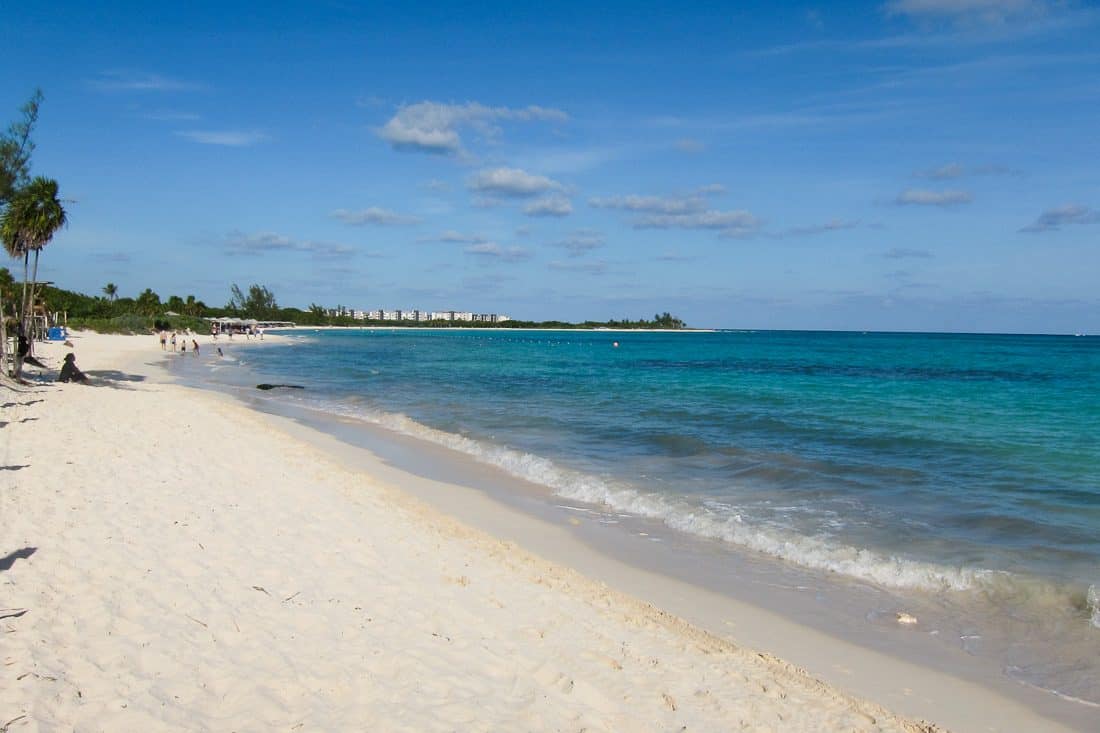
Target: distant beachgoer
<point>214,331</point>
<point>163,341</point>
<point>173,341</point>
<point>195,346</point>
<point>220,351</point>
<point>69,372</point>
<point>261,334</point>
<point>183,345</point>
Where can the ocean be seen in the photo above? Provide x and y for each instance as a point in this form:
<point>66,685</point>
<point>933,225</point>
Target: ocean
<point>955,476</point>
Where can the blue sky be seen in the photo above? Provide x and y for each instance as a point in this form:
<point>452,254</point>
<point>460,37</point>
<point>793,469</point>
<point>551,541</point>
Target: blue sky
<point>907,164</point>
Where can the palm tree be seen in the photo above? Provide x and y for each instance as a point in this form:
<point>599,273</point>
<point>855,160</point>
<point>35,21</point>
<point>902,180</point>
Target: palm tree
<point>28,224</point>
<point>111,291</point>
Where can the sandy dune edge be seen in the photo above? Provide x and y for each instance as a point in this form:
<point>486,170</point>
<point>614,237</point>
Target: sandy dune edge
<point>195,569</point>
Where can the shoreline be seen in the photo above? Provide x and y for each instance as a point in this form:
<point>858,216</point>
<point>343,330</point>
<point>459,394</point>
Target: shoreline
<point>903,686</point>
<point>738,593</point>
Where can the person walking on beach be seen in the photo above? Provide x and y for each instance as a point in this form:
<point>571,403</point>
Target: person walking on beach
<point>163,340</point>
<point>195,346</point>
<point>173,341</point>
<point>214,331</point>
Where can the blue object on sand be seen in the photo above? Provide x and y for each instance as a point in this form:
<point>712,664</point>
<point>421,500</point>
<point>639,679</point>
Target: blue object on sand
<point>55,333</point>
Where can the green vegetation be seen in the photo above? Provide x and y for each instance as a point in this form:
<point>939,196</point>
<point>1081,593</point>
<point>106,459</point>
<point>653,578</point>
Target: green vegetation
<point>110,313</point>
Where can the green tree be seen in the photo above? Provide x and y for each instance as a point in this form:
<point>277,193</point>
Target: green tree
<point>16,147</point>
<point>33,215</point>
<point>148,303</point>
<point>259,303</point>
<point>175,303</point>
<point>111,291</point>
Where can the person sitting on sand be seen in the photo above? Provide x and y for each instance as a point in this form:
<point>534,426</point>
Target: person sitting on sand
<point>69,372</point>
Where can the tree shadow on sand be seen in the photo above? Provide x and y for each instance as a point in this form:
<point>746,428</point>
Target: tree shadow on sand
<point>8,560</point>
<point>13,404</point>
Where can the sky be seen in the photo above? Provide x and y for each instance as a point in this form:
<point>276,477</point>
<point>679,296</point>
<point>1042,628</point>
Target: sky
<point>896,165</point>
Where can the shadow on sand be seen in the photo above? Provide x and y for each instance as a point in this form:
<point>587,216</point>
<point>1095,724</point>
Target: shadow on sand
<point>8,560</point>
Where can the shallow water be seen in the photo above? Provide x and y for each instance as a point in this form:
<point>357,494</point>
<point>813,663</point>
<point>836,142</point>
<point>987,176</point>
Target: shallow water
<point>956,474</point>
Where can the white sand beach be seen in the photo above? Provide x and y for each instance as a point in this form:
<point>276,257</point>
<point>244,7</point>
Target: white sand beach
<point>172,560</point>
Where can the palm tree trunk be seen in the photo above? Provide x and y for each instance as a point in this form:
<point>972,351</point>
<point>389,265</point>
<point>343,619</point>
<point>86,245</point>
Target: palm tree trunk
<point>3,341</point>
<point>23,305</point>
<point>34,287</point>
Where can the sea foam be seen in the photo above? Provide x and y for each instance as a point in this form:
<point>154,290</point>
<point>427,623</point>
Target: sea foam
<point>811,552</point>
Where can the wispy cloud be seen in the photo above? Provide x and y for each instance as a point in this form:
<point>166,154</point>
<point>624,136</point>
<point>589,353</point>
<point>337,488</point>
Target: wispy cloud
<point>493,251</point>
<point>739,223</point>
<point>951,171</point>
<point>902,253</point>
<point>451,236</point>
<point>1053,220</point>
<point>549,206</point>
<point>834,225</point>
<point>969,11</point>
<point>581,242</point>
<point>922,197</point>
<point>433,127</point>
<point>373,215</point>
<point>670,205</point>
<point>169,116</point>
<point>598,267</point>
<point>681,212</point>
<point>437,186</point>
<point>239,243</point>
<point>512,182</point>
<point>689,145</point>
<point>129,81</point>
<point>228,138</point>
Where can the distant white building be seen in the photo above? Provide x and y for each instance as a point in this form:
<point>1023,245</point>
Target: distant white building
<point>443,315</point>
<point>462,316</point>
<point>391,315</point>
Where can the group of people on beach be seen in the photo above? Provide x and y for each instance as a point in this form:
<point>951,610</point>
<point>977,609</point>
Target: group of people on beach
<point>178,338</point>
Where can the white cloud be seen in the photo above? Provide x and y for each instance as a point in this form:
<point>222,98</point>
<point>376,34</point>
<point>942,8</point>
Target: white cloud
<point>373,215</point>
<point>1052,220</point>
<point>968,11</point>
<point>833,225</point>
<point>127,81</point>
<point>943,172</point>
<point>732,223</point>
<point>228,138</point>
<point>239,243</point>
<point>921,197</point>
<point>512,182</point>
<point>650,204</point>
<point>457,237</point>
<point>581,242</point>
<point>432,127</point>
<point>549,206</point>
<point>492,250</point>
<point>952,171</point>
<point>681,212</point>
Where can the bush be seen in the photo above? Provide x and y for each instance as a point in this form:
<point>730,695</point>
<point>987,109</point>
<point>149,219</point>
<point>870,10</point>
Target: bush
<point>128,323</point>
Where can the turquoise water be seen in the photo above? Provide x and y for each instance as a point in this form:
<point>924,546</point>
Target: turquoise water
<point>963,467</point>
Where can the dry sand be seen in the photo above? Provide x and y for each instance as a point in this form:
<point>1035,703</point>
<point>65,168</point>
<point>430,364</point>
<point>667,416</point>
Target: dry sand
<point>171,560</point>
